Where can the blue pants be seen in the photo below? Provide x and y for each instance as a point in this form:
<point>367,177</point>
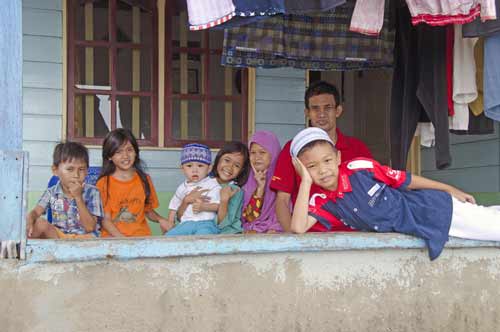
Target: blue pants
<point>194,228</point>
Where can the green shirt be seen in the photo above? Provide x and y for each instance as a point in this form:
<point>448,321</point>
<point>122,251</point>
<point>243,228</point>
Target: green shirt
<point>231,224</point>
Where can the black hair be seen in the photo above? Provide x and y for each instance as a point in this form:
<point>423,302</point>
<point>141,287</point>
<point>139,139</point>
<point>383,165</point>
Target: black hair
<point>69,151</point>
<point>235,147</point>
<point>112,142</point>
<point>312,144</point>
<point>319,88</point>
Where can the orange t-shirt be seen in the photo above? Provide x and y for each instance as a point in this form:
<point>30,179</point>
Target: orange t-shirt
<point>126,204</point>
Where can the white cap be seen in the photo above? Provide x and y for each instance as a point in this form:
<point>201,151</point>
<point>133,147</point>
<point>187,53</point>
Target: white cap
<point>307,136</point>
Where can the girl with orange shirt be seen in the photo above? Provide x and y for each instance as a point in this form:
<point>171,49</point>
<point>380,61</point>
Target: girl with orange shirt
<point>127,192</point>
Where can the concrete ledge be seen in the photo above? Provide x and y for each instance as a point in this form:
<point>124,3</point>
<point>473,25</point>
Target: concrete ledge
<point>162,247</point>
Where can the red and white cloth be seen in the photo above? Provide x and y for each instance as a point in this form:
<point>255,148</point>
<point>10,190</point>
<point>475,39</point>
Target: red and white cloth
<point>368,15</point>
<point>444,12</point>
<point>209,13</point>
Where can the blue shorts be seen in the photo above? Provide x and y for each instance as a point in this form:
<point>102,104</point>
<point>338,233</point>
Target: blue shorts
<point>194,228</point>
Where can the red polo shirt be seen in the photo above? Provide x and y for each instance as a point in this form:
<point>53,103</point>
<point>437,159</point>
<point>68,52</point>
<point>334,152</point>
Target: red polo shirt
<point>286,179</point>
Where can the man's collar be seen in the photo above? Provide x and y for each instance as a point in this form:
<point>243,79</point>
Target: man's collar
<point>341,143</point>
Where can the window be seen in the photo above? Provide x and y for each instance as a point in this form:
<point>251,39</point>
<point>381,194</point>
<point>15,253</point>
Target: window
<point>112,69</point>
<point>204,101</point>
<point>113,76</point>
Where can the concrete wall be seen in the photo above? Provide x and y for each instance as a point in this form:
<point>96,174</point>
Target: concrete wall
<point>382,290</point>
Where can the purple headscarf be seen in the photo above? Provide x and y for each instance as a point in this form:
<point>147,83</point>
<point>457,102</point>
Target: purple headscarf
<point>267,219</point>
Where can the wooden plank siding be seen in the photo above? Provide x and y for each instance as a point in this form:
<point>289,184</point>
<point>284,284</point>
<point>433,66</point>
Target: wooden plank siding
<point>279,101</point>
<point>475,163</point>
<point>42,86</point>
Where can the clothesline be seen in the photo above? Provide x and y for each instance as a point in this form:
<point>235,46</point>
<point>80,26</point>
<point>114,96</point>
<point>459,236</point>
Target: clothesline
<point>367,18</point>
<point>444,54</point>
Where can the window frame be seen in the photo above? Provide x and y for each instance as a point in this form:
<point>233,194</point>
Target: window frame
<point>112,45</point>
<point>205,98</point>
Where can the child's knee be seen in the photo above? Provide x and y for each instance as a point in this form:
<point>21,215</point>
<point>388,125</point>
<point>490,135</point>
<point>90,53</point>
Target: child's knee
<point>208,228</point>
<point>45,229</point>
<point>41,224</point>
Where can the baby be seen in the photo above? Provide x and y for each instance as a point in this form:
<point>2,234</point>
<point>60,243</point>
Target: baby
<point>196,200</point>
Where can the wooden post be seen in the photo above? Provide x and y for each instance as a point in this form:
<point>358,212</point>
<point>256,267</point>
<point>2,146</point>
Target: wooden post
<point>414,156</point>
<point>161,73</point>
<point>183,31</point>
<point>89,69</point>
<point>136,71</point>
<point>11,71</point>
<point>13,163</point>
<point>228,106</point>
<point>251,101</point>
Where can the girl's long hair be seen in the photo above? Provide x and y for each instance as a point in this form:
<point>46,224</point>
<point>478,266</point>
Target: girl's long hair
<point>235,147</point>
<point>112,142</point>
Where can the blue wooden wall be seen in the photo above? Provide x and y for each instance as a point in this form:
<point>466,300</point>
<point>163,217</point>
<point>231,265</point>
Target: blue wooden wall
<point>42,85</point>
<point>10,76</point>
<point>13,174</point>
<point>475,165</point>
<point>279,101</point>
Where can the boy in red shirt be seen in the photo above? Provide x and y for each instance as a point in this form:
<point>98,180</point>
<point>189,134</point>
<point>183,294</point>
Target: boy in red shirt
<point>371,197</point>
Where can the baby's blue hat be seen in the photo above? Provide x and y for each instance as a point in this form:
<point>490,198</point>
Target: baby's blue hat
<point>196,152</point>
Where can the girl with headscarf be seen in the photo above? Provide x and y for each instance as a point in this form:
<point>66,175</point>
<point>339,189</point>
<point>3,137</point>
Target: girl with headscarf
<point>259,215</point>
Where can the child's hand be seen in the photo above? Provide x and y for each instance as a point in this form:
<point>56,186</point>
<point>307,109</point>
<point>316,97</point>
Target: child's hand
<point>75,189</point>
<point>195,194</point>
<point>260,177</point>
<point>165,224</point>
<point>461,196</point>
<point>301,170</point>
<point>227,192</point>
<point>198,205</point>
<point>29,227</point>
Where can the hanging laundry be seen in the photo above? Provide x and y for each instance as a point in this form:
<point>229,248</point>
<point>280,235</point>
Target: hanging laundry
<point>444,12</point>
<point>250,11</point>
<point>478,28</point>
<point>464,79</point>
<point>427,134</point>
<point>418,86</point>
<point>477,106</point>
<point>492,76</point>
<point>368,17</point>
<point>450,39</point>
<point>209,13</point>
<point>319,42</point>
<point>478,125</point>
<point>273,7</point>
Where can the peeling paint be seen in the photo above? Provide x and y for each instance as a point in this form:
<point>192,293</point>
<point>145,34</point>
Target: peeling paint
<point>159,247</point>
